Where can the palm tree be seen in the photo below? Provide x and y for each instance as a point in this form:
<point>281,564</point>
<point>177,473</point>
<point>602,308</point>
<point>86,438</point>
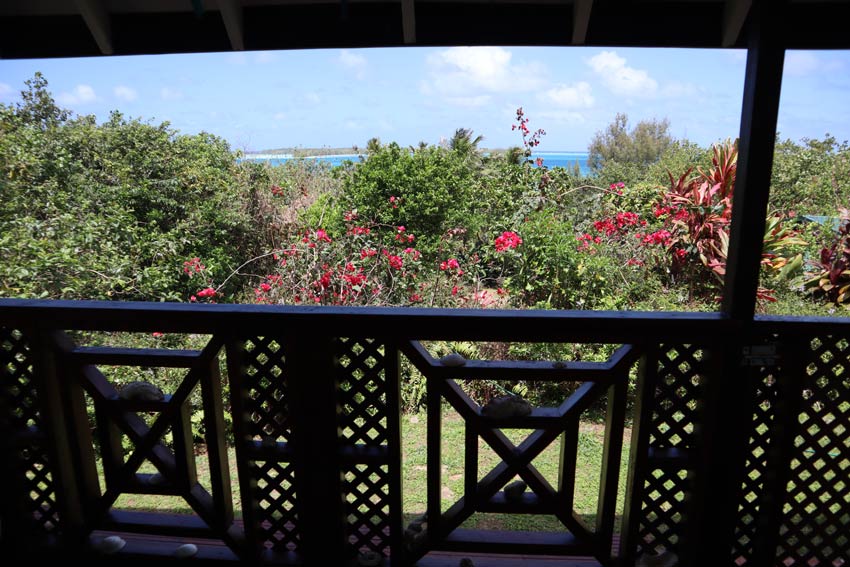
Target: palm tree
<point>515,155</point>
<point>463,143</point>
<point>373,146</point>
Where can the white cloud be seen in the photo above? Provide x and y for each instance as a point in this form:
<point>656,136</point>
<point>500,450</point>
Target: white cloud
<point>561,116</point>
<point>463,75</point>
<point>620,78</point>
<point>675,89</point>
<point>81,94</point>
<point>802,63</point>
<point>354,62</point>
<point>5,89</point>
<point>169,93</point>
<point>125,93</point>
<point>569,96</point>
<point>469,101</point>
<point>280,116</point>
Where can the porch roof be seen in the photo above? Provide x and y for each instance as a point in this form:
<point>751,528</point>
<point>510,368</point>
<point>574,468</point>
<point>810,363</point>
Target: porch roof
<point>58,28</point>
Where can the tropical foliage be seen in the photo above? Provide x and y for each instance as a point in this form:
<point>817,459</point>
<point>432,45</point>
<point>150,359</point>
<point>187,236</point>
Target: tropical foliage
<point>128,209</point>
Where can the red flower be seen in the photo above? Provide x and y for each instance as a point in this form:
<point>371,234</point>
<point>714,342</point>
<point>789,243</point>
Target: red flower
<point>265,287</point>
<point>206,292</point>
<point>395,261</point>
<point>193,266</point>
<point>157,335</point>
<point>507,240</point>
<point>539,162</point>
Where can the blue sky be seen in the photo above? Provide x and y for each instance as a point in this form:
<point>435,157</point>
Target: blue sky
<point>335,98</point>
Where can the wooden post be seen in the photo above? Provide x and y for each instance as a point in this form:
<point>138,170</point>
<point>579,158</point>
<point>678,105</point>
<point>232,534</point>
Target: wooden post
<point>313,386</point>
<point>235,352</point>
<point>71,434</point>
<point>727,405</point>
<point>760,108</point>
<point>638,455</point>
<point>610,473</point>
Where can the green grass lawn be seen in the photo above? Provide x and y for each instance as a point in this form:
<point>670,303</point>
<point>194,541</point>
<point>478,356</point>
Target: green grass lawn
<point>414,428</point>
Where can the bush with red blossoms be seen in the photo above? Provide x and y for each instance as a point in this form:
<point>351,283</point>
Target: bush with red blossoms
<point>508,240</point>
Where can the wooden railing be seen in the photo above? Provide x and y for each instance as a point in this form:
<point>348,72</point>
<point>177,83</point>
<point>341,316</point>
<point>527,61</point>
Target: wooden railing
<point>740,439</point>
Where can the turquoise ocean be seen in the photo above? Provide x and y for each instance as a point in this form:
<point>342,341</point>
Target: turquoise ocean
<point>550,159</point>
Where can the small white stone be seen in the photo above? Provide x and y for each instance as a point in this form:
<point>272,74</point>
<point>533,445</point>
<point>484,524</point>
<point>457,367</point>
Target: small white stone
<point>453,359</point>
<point>186,550</point>
<point>110,544</point>
<point>515,490</point>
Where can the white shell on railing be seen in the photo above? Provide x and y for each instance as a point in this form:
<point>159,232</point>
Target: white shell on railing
<point>515,490</point>
<point>369,558</point>
<point>186,550</point>
<point>453,359</point>
<point>110,544</point>
<point>141,391</point>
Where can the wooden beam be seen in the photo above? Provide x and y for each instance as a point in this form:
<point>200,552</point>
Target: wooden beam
<point>97,19</point>
<point>581,20</point>
<point>762,86</point>
<point>408,21</point>
<point>735,13</point>
<point>231,13</point>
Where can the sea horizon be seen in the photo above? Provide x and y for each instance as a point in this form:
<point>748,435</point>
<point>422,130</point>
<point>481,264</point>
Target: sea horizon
<point>551,158</point>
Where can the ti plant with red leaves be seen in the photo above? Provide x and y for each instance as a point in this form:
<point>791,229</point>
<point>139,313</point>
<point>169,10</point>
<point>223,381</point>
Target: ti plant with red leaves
<point>698,211</point>
<point>831,277</point>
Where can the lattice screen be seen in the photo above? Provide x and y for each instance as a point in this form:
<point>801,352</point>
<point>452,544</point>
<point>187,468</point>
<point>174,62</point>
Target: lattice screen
<point>765,403</point>
<point>677,385</point>
<point>275,496</point>
<point>20,420</point>
<point>264,385</point>
<point>364,423</point>
<point>816,527</point>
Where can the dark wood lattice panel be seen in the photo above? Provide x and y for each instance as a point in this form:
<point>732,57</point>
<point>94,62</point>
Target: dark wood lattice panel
<point>362,391</point>
<point>20,409</point>
<point>816,527</point>
<point>368,509</point>
<point>264,382</point>
<point>677,390</point>
<point>42,493</point>
<point>29,467</point>
<point>674,377</point>
<point>753,490</point>
<point>662,509</point>
<point>274,492</point>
